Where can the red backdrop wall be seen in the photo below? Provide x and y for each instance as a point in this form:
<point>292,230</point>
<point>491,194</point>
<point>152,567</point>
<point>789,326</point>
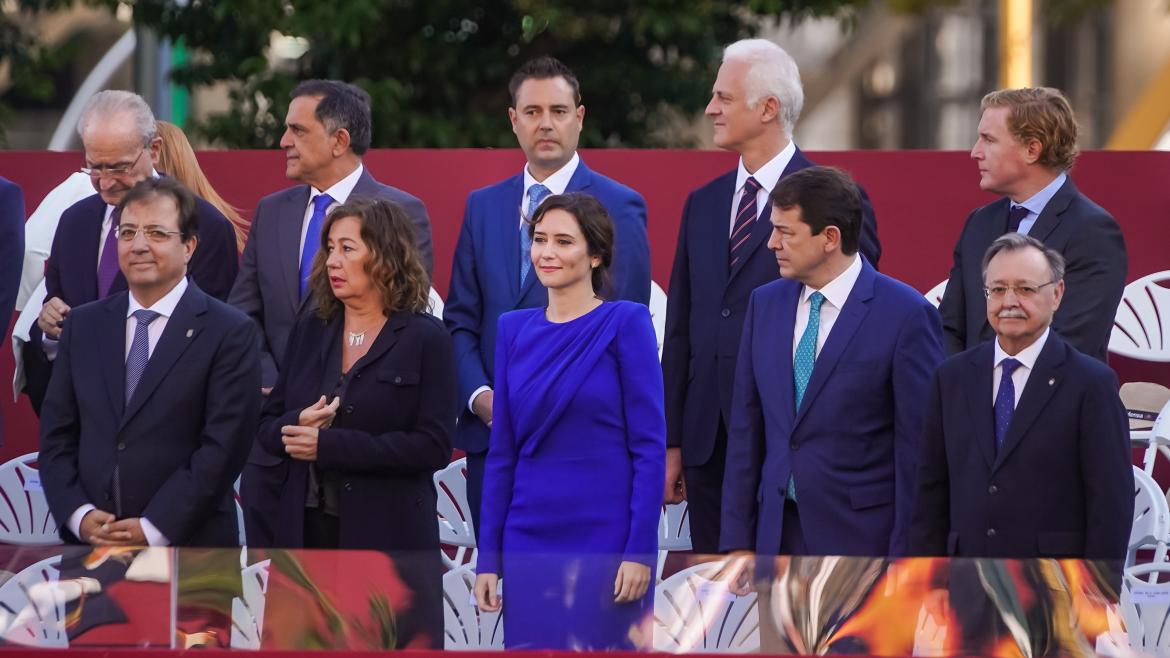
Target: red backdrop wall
<point>921,198</point>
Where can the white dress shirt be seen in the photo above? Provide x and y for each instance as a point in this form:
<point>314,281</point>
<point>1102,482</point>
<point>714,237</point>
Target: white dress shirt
<point>1036,203</point>
<point>836,292</point>
<point>165,307</point>
<point>767,176</point>
<point>1027,358</point>
<point>339,192</point>
<point>556,184</point>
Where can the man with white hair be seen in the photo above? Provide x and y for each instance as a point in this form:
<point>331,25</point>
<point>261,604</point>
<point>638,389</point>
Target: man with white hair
<point>721,257</point>
<point>121,144</point>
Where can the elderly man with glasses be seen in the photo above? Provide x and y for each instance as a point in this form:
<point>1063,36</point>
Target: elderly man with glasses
<point>117,130</point>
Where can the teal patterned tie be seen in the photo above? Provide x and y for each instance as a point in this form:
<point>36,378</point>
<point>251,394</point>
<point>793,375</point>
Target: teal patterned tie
<point>802,363</point>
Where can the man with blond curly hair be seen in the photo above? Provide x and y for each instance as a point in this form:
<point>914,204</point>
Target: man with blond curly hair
<point>1026,146</point>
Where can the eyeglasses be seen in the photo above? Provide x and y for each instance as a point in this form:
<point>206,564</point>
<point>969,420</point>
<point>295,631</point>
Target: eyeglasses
<point>102,171</point>
<point>152,233</point>
<point>1022,292</point>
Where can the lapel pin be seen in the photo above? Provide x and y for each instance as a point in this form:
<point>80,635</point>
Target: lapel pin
<point>1050,381</point>
<point>191,332</point>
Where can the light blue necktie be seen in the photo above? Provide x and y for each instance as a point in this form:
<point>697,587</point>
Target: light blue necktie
<point>536,194</point>
<point>139,350</point>
<point>321,204</point>
<point>802,363</point>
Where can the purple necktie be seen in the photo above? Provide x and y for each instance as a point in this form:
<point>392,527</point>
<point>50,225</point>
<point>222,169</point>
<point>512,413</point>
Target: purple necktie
<point>108,266</point>
<point>1016,215</point>
<point>1005,401</point>
<point>745,221</point>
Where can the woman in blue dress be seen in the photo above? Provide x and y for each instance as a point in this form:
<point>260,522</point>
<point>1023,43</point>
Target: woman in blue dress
<point>575,470</point>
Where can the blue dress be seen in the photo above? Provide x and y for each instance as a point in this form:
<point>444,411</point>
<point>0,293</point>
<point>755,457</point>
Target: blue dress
<point>574,478</point>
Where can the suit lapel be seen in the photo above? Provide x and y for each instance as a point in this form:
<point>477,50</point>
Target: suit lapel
<point>181,330</point>
<point>763,225</point>
<point>714,229</point>
<point>111,336</point>
<point>1043,381</point>
<point>87,258</point>
<point>848,321</point>
<point>1049,218</point>
<point>783,346</point>
<point>978,389</point>
<point>385,340</point>
<point>288,233</point>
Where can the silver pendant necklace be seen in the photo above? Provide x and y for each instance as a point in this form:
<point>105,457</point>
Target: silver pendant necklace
<point>356,339</point>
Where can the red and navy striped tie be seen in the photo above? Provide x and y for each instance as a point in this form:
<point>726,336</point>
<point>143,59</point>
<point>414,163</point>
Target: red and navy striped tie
<point>745,221</point>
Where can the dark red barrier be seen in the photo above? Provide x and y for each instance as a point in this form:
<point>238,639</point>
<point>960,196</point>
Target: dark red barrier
<point>921,199</point>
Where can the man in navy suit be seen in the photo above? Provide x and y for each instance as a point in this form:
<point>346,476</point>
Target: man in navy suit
<point>719,260</point>
<point>11,254</point>
<point>327,131</point>
<point>122,145</point>
<point>152,405</point>
<point>492,272</point>
<point>1026,446</point>
<point>1026,146</point>
<point>834,363</point>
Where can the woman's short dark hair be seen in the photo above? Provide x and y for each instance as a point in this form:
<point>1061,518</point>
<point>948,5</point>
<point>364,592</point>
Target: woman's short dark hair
<point>595,224</point>
<point>395,266</point>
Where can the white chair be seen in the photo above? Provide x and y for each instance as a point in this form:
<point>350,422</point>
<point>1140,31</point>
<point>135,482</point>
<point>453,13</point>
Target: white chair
<point>1151,518</point>
<point>466,627</point>
<point>695,614</point>
<point>248,610</point>
<point>1140,400</point>
<point>658,313</point>
<point>1145,609</point>
<point>935,294</point>
<point>1141,327</point>
<point>24,512</point>
<point>455,524</point>
<point>1156,440</point>
<point>32,605</point>
<point>435,304</point>
<point>674,532</point>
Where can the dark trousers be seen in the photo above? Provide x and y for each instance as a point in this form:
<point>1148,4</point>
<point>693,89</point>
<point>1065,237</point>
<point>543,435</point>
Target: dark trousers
<point>321,530</point>
<point>705,496</point>
<point>791,533</point>
<point>475,466</point>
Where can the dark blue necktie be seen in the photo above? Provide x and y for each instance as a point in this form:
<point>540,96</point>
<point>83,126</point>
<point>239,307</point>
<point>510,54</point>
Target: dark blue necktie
<point>321,204</point>
<point>1016,215</point>
<point>139,350</point>
<point>536,194</point>
<point>745,221</point>
<point>1005,401</point>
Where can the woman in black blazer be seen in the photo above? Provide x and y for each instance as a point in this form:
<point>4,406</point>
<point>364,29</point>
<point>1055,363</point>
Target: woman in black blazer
<point>364,408</point>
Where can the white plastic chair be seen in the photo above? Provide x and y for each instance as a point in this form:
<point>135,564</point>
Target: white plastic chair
<point>24,512</point>
<point>658,313</point>
<point>248,610</point>
<point>32,605</point>
<point>455,524</point>
<point>935,294</point>
<point>435,304</point>
<point>466,627</point>
<point>1141,329</point>
<point>694,614</point>
<point>1145,609</point>
<point>1143,397</point>
<point>674,532</point>
<point>1151,518</point>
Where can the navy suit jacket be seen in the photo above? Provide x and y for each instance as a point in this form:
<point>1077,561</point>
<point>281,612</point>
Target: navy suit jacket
<point>268,287</point>
<point>853,445</point>
<point>11,254</point>
<point>1096,265</point>
<point>705,310</point>
<point>71,271</point>
<point>179,441</point>
<point>1061,486</point>
<point>485,277</point>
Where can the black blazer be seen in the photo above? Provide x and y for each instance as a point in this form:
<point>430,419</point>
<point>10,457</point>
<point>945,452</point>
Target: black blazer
<point>1096,265</point>
<point>1061,485</point>
<point>392,431</point>
<point>182,438</point>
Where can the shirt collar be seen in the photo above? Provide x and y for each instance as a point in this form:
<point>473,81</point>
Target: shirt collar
<point>340,190</point>
<point>165,306</point>
<point>558,180</point>
<point>837,291</point>
<point>1027,356</point>
<point>768,175</point>
<point>1036,203</point>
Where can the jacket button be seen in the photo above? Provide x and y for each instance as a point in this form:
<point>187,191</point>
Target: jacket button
<point>348,487</point>
<point>121,446</point>
<point>349,408</point>
<point>725,312</point>
<point>991,532</point>
<point>794,446</point>
<point>398,380</point>
<point>107,495</point>
<point>993,490</point>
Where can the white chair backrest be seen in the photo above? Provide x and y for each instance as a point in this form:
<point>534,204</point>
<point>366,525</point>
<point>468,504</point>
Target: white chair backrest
<point>935,294</point>
<point>455,526</point>
<point>1160,432</point>
<point>1151,516</point>
<point>466,627</point>
<point>32,605</point>
<point>695,614</point>
<point>24,512</point>
<point>658,313</point>
<point>248,610</point>
<point>1139,327</point>
<point>1145,607</point>
<point>674,528</point>
<point>435,304</point>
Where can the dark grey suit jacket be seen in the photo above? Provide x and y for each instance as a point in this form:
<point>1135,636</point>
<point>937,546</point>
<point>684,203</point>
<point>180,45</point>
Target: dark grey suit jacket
<point>268,286</point>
